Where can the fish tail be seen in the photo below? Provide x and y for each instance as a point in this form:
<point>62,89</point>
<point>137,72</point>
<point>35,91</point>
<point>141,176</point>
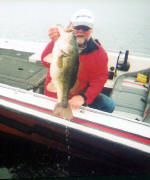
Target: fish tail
<point>64,112</point>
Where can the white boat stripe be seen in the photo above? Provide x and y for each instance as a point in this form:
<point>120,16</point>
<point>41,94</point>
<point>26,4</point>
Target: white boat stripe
<point>107,119</point>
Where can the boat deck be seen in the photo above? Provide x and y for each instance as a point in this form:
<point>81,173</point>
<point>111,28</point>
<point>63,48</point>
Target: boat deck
<point>17,71</point>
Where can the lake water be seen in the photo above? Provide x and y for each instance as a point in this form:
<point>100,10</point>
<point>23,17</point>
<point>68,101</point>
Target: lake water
<point>119,24</point>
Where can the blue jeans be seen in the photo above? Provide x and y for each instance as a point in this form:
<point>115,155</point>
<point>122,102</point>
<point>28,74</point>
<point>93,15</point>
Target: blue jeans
<point>103,103</point>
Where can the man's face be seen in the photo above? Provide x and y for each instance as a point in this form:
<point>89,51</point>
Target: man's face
<point>82,33</point>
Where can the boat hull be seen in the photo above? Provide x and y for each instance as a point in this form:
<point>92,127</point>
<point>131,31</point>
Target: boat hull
<point>82,145</point>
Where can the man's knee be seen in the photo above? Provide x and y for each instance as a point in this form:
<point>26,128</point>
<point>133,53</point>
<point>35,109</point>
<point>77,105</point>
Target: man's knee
<point>103,103</point>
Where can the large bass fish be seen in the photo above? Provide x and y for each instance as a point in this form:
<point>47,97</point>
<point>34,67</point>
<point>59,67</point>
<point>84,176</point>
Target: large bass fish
<point>63,69</point>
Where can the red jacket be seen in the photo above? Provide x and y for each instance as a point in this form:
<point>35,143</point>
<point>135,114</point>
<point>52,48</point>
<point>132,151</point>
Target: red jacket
<point>93,71</point>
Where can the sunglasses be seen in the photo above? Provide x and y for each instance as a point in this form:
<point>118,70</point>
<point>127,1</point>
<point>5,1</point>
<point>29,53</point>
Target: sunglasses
<point>84,28</point>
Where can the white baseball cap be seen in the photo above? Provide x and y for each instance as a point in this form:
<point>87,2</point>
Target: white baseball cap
<point>83,17</point>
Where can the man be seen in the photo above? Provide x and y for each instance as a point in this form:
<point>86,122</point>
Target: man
<point>93,71</point>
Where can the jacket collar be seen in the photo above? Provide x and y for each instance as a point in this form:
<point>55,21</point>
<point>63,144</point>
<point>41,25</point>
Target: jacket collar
<point>91,46</point>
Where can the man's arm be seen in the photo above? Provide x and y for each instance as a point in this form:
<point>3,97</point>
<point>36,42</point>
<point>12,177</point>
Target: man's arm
<point>53,34</point>
<point>47,50</point>
<point>96,74</point>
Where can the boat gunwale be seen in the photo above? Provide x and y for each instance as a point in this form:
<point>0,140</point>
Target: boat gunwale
<point>82,109</point>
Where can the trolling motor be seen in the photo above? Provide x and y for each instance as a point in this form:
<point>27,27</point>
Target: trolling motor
<point>120,65</point>
<point>124,66</point>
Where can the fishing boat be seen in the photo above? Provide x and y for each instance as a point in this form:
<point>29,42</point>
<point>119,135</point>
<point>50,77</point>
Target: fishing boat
<point>123,135</point>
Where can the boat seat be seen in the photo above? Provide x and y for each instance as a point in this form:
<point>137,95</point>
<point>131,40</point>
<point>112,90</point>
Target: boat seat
<point>130,96</point>
<point>146,116</point>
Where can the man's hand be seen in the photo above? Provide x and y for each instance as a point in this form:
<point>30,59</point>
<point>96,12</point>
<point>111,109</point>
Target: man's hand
<point>53,33</point>
<point>76,101</point>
